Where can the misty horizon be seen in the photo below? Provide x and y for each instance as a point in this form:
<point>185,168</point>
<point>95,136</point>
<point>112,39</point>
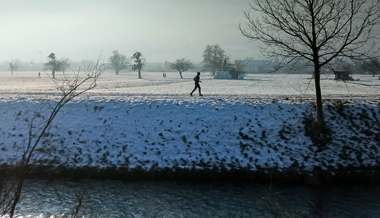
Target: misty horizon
<point>162,30</point>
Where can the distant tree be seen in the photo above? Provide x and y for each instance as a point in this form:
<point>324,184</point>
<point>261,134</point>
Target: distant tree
<point>235,70</point>
<point>372,65</point>
<point>226,63</point>
<point>214,58</point>
<point>345,65</point>
<point>182,65</point>
<point>139,62</point>
<point>64,64</point>
<point>53,64</point>
<point>317,31</point>
<point>118,62</point>
<point>13,67</point>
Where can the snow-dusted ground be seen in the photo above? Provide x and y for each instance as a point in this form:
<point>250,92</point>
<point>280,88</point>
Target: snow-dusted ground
<point>172,87</point>
<point>154,123</point>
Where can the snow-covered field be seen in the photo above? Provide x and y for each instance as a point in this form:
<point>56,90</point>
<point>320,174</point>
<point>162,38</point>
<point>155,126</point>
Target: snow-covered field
<point>153,85</point>
<point>154,123</point>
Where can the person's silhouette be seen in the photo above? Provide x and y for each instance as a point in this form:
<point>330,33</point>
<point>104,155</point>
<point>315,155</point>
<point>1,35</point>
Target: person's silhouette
<point>197,81</point>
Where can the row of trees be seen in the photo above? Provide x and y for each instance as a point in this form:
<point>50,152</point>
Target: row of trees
<point>214,59</point>
<point>120,62</point>
<point>370,66</point>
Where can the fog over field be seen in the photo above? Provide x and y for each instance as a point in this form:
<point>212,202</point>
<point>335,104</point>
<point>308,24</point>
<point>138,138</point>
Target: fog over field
<point>160,29</point>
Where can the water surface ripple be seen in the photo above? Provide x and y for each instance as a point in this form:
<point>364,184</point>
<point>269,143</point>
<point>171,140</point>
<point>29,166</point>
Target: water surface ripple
<point>177,199</point>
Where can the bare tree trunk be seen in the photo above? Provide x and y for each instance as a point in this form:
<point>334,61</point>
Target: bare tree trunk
<point>319,122</point>
<point>139,74</point>
<point>180,73</point>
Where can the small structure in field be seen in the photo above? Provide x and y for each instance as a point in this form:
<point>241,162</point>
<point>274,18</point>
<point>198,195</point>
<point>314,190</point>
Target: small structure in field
<point>342,75</point>
<point>222,75</point>
<point>228,75</point>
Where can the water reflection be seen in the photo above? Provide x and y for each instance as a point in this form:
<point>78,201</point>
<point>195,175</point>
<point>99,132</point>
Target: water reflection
<point>172,199</point>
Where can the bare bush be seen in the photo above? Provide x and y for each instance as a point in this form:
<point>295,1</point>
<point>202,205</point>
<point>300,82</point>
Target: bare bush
<point>13,177</point>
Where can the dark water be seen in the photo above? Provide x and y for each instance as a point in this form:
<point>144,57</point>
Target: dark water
<point>172,199</point>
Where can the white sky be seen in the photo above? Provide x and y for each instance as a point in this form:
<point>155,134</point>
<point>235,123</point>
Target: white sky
<point>160,29</point>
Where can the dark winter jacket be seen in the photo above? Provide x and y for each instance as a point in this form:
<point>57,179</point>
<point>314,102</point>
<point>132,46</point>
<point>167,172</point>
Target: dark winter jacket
<point>196,79</point>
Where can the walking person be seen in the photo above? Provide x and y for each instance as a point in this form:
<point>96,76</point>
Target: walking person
<point>197,81</point>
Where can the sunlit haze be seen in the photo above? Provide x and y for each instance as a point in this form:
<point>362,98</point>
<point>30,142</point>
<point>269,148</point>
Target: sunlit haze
<point>163,30</point>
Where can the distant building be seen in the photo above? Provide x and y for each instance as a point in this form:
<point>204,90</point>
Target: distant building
<point>255,66</point>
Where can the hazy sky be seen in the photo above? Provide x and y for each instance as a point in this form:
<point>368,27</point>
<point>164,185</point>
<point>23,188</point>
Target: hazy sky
<point>160,29</point>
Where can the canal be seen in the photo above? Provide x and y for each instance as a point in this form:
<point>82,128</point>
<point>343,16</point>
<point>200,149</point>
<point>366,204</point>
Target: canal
<point>111,198</point>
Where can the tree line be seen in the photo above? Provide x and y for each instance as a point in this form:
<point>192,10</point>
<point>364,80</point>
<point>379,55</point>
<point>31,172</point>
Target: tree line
<point>214,59</point>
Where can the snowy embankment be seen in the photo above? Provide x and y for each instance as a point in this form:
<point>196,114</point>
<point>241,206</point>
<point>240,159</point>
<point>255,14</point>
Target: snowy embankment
<point>258,124</point>
<point>214,133</point>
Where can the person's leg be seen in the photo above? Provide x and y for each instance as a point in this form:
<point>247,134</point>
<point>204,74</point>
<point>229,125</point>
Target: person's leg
<point>193,90</point>
<point>199,88</point>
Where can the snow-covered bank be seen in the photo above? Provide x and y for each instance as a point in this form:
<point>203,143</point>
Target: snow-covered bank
<point>157,134</point>
<point>153,123</point>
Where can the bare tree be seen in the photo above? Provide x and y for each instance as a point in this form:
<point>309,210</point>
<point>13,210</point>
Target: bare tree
<point>70,87</point>
<point>182,65</point>
<point>13,67</point>
<point>317,31</point>
<point>64,64</point>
